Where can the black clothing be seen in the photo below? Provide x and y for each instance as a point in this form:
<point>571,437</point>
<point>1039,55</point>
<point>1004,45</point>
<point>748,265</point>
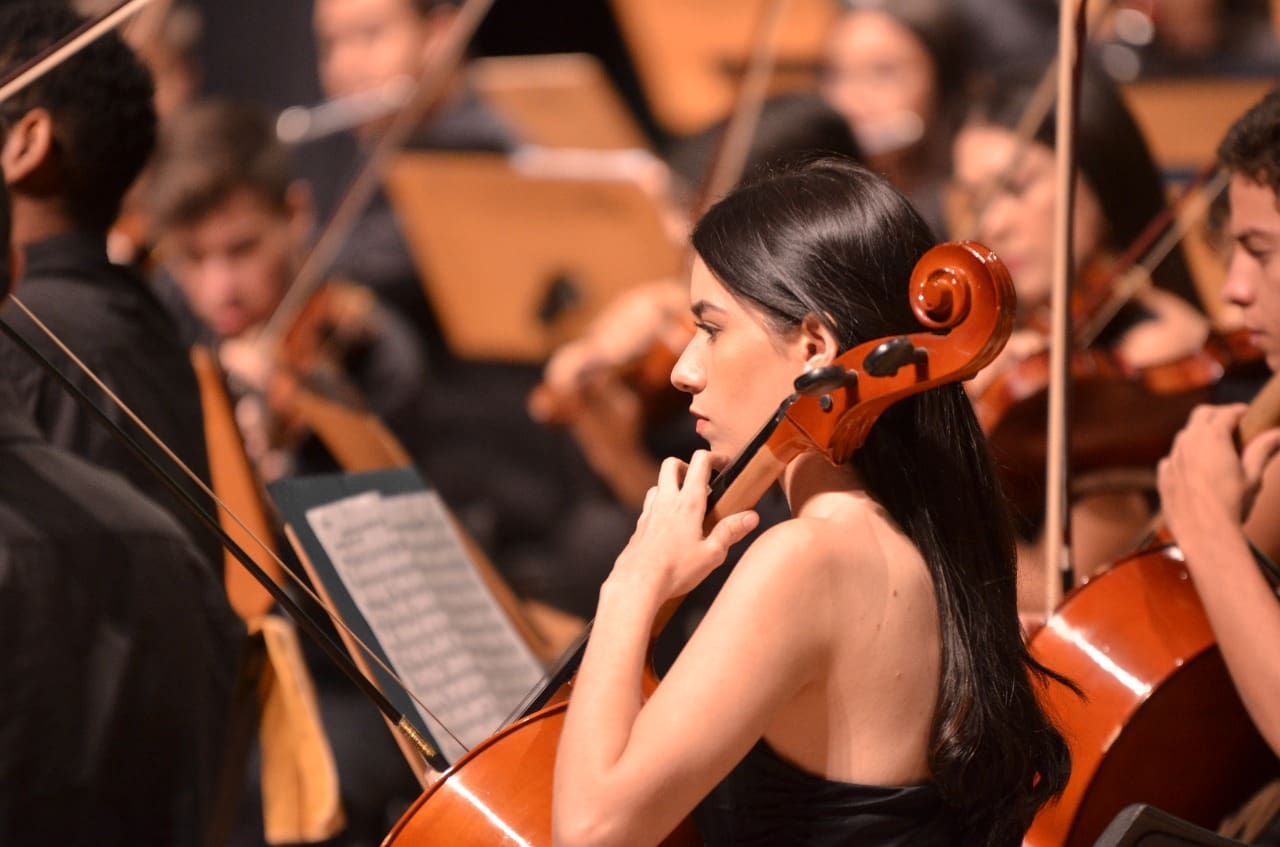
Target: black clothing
<point>119,656</point>
<point>767,800</point>
<point>109,318</point>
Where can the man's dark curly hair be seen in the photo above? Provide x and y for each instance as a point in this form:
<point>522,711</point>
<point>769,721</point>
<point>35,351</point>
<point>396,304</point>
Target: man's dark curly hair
<point>100,100</point>
<point>1252,145</point>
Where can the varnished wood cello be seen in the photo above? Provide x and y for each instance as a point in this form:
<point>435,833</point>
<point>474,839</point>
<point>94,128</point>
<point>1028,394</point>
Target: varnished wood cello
<point>500,792</point>
<point>1161,722</point>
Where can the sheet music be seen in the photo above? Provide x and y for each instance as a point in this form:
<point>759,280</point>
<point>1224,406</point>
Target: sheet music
<point>406,570</point>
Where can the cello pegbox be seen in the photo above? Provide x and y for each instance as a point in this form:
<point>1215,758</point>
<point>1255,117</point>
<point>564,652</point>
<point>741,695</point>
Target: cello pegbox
<point>892,356</point>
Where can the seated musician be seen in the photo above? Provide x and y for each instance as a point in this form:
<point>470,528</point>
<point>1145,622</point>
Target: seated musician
<point>365,45</point>
<point>119,655</point>
<point>1010,198</point>
<point>75,140</point>
<point>1215,498</point>
<point>861,676</point>
<point>234,226</point>
<point>522,492</point>
<point>897,70</point>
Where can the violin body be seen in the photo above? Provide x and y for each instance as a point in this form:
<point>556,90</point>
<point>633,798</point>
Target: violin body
<point>1108,402</point>
<point>1161,722</point>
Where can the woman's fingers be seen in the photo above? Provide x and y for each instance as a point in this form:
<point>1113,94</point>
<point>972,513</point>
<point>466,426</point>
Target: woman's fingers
<point>729,531</point>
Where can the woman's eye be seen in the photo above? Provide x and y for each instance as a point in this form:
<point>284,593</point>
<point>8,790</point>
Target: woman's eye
<point>710,330</point>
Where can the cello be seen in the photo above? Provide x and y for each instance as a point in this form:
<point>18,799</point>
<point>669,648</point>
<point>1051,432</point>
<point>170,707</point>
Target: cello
<point>1138,643</point>
<point>500,792</point>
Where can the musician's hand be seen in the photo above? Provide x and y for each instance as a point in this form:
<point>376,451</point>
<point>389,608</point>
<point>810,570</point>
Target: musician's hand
<point>668,549</point>
<point>1022,344</point>
<point>243,358</point>
<point>623,332</point>
<point>1205,486</point>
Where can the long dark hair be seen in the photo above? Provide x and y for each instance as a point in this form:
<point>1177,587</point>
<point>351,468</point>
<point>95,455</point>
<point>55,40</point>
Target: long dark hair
<point>828,238</point>
<point>1112,154</point>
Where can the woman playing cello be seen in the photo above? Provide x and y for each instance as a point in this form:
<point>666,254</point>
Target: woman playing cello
<point>861,676</point>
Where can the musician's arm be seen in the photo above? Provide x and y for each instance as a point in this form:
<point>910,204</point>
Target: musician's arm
<point>1204,488</point>
<point>628,770</point>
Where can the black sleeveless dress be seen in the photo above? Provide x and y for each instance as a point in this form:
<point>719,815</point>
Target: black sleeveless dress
<point>767,800</point>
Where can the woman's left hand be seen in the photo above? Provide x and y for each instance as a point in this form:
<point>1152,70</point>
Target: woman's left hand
<point>668,549</point>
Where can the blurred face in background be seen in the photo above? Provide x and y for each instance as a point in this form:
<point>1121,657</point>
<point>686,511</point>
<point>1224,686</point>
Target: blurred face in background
<point>368,45</point>
<point>235,262</point>
<point>881,79</point>
<point>1012,210</point>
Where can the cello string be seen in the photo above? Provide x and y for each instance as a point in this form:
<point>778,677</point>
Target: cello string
<point>268,583</point>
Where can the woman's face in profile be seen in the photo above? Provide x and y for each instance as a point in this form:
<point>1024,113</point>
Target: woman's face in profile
<point>736,367</point>
<point>881,79</point>
<point>1011,210</point>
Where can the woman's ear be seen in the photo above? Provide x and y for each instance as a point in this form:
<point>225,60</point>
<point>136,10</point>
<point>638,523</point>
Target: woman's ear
<point>28,147</point>
<point>818,343</point>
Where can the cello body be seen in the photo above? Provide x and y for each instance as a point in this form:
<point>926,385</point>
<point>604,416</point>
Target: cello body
<point>1160,722</point>
<point>499,793</point>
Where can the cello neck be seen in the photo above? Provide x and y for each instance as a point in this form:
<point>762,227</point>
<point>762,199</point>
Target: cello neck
<point>1263,412</point>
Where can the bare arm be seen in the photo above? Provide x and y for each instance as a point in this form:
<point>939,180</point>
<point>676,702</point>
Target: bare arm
<point>1205,489</point>
<point>628,770</point>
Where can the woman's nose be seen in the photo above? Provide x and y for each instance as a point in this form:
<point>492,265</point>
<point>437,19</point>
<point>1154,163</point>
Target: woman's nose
<point>687,375</point>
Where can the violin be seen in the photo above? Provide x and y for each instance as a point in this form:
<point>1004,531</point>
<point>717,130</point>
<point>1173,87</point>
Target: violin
<point>334,322</point>
<point>1108,392</point>
<point>500,792</point>
<point>1109,395</point>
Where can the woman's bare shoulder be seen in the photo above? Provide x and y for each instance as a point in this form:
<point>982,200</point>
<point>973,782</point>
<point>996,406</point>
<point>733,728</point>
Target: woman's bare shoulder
<point>808,552</point>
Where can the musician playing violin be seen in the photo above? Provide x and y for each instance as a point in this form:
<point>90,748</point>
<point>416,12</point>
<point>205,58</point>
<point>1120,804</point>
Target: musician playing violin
<point>233,226</point>
<point>861,675</point>
<point>1217,499</point>
<point>1006,190</point>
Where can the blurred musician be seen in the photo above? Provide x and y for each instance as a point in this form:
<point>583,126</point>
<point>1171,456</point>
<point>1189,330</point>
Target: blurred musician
<point>897,72</point>
<point>75,140</point>
<point>234,225</point>
<point>367,45</point>
<point>1012,195</point>
<point>523,492</point>
<point>1206,488</point>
